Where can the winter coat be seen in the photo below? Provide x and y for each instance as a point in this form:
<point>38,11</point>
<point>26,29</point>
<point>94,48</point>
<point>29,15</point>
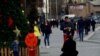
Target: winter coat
<point>93,22</point>
<point>80,25</point>
<point>66,25</point>
<point>42,28</point>
<point>69,48</point>
<point>47,29</point>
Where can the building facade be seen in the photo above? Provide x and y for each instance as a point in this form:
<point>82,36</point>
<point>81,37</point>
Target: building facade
<point>95,7</point>
<point>82,7</point>
<point>56,8</point>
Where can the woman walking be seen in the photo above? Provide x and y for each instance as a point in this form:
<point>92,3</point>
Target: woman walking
<point>47,32</point>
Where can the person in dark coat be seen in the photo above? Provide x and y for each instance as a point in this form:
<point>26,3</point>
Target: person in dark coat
<point>66,27</point>
<point>42,28</point>
<point>80,28</point>
<point>93,24</point>
<point>47,32</point>
<point>69,48</point>
<point>73,27</point>
<point>61,24</point>
<point>87,24</point>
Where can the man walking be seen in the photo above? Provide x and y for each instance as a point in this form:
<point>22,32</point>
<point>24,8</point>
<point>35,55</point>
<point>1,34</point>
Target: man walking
<point>66,27</point>
<point>93,24</point>
<point>80,28</point>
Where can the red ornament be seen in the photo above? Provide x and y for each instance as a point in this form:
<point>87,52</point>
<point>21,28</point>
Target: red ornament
<point>10,22</point>
<point>5,1</point>
<point>0,19</point>
<point>0,15</point>
<point>31,40</point>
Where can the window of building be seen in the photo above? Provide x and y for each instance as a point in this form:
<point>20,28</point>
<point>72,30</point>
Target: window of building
<point>83,1</point>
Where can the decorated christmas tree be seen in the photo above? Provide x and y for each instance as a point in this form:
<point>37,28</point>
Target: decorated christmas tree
<point>12,22</point>
<point>33,15</point>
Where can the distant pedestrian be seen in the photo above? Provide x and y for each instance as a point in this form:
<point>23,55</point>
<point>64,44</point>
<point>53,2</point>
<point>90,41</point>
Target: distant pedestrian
<point>15,48</point>
<point>80,28</point>
<point>69,47</point>
<point>73,28</point>
<point>42,28</point>
<point>47,32</point>
<point>87,23</point>
<point>56,23</point>
<point>61,24</point>
<point>93,24</point>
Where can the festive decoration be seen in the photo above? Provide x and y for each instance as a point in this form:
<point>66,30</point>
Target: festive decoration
<point>17,31</point>
<point>10,22</point>
<point>0,21</point>
<point>0,15</point>
<point>5,1</point>
<point>11,17</point>
<point>31,40</point>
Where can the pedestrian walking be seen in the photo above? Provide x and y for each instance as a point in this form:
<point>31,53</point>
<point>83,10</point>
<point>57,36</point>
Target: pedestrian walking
<point>66,27</point>
<point>87,23</point>
<point>69,47</point>
<point>42,28</point>
<point>15,48</point>
<point>73,28</point>
<point>47,32</point>
<point>93,24</point>
<point>80,28</point>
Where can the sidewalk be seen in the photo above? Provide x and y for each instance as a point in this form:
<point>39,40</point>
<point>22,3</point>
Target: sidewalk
<point>56,42</point>
<point>91,33</point>
<point>91,44</point>
<point>95,37</point>
<point>86,37</point>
